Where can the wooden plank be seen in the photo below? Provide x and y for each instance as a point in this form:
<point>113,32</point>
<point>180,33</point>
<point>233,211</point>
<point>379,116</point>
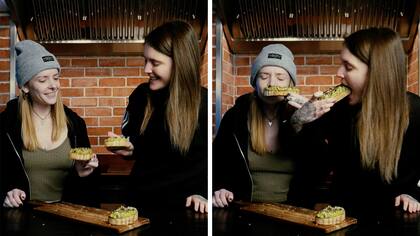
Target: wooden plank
<point>292,214</point>
<point>90,215</point>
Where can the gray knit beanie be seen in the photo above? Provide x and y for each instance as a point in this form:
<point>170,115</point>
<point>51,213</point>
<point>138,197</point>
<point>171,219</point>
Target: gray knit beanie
<point>32,58</point>
<point>274,55</point>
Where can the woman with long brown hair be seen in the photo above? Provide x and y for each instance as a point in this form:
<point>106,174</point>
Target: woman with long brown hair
<point>373,134</point>
<point>166,122</point>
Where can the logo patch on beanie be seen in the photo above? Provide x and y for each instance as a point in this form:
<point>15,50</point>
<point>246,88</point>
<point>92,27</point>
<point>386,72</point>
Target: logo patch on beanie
<point>274,55</point>
<point>47,58</point>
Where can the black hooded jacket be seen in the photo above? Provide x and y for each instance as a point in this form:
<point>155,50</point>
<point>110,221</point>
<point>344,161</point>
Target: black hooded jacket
<point>230,156</point>
<point>161,174</point>
<point>13,174</point>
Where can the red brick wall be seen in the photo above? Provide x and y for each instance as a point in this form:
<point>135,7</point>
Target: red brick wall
<point>97,88</point>
<point>228,83</point>
<point>4,60</point>
<point>413,67</point>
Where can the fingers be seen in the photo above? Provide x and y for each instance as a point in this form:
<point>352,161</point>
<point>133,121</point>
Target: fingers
<point>196,205</point>
<point>200,203</point>
<point>222,197</point>
<point>412,207</point>
<point>405,204</point>
<point>217,202</point>
<point>294,104</point>
<point>229,196</point>
<point>206,208</point>
<point>22,195</point>
<point>125,151</point>
<point>93,163</point>
<point>410,204</point>
<point>14,198</point>
<point>315,96</point>
<point>111,134</point>
<point>296,100</point>
<point>200,206</point>
<point>7,203</point>
<point>188,203</point>
<point>397,200</point>
<point>322,107</point>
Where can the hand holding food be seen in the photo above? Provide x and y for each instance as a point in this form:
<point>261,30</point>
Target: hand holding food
<point>85,168</point>
<point>116,142</point>
<point>81,154</point>
<point>318,105</point>
<point>119,145</point>
<point>295,100</point>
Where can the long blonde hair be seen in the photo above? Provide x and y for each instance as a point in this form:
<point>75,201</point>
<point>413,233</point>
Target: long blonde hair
<point>177,39</point>
<point>59,121</point>
<point>384,116</point>
<point>257,125</point>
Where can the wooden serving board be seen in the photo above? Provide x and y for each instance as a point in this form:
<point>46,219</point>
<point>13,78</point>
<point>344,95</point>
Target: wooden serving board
<point>90,215</point>
<point>297,215</point>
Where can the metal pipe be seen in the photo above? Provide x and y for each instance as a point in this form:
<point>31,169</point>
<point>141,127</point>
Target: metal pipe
<point>12,57</point>
<point>219,72</point>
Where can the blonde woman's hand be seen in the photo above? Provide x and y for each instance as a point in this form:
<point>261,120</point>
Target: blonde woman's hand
<point>85,168</point>
<point>409,203</point>
<point>199,202</point>
<point>14,198</point>
<point>128,151</point>
<point>222,197</point>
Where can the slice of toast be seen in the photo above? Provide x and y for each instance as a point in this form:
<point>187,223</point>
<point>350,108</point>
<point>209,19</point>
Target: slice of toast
<point>279,91</point>
<point>337,93</point>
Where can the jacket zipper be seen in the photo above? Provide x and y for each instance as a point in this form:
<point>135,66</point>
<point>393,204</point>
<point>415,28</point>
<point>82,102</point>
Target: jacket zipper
<point>246,164</point>
<point>21,163</point>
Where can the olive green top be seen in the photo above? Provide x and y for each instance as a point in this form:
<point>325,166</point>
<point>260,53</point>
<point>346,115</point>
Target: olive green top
<point>271,175</point>
<point>47,171</point>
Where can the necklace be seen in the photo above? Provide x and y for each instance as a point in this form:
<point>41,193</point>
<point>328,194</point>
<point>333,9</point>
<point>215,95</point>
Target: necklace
<point>270,121</point>
<point>40,117</point>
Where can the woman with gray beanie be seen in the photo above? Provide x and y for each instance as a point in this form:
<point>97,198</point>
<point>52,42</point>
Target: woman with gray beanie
<point>37,133</point>
<point>253,155</point>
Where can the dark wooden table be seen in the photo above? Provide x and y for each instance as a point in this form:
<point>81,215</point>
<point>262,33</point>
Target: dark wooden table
<point>232,221</point>
<point>26,221</point>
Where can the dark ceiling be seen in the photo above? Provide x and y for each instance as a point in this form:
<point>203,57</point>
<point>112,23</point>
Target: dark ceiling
<point>101,27</point>
<point>311,26</point>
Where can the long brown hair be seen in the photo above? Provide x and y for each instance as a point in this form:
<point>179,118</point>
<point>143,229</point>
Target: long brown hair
<point>384,116</point>
<point>59,121</point>
<point>177,39</point>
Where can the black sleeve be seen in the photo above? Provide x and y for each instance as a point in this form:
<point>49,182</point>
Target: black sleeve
<point>134,114</point>
<point>313,166</point>
<point>409,164</point>
<point>11,170</point>
<point>224,154</point>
